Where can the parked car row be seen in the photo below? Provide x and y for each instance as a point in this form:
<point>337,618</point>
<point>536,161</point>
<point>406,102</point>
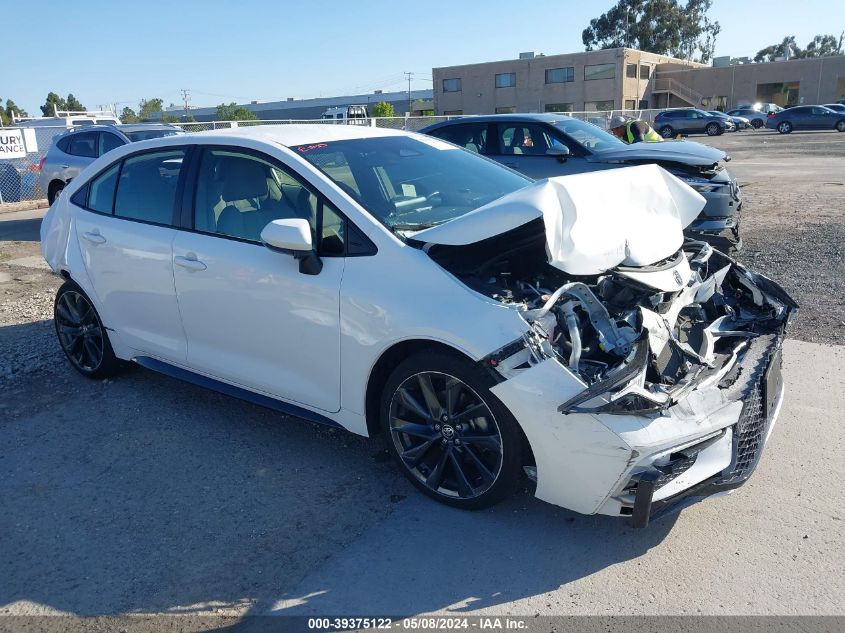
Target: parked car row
<point>687,121</point>
<point>489,326</point>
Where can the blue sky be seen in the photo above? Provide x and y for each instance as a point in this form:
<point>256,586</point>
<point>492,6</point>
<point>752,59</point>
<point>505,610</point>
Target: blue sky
<point>269,50</point>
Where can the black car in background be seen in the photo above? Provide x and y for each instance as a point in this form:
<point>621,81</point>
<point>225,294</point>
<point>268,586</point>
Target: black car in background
<point>811,117</point>
<point>548,145</point>
<point>686,121</point>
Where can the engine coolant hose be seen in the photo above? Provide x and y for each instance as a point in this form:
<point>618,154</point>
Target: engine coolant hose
<point>572,324</point>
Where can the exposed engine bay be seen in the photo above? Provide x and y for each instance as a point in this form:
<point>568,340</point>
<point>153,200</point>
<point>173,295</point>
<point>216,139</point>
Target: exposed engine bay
<point>640,337</point>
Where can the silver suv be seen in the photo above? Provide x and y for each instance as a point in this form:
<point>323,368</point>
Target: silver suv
<point>72,152</point>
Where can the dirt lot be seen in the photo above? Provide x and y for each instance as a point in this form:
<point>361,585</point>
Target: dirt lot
<point>794,220</point>
<point>146,495</point>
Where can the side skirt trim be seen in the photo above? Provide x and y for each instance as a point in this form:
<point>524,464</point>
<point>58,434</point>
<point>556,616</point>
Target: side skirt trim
<point>231,390</point>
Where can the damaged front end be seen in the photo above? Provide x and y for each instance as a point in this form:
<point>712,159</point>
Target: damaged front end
<point>665,376</point>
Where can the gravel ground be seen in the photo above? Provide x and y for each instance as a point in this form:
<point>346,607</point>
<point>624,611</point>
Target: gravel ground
<point>793,224</point>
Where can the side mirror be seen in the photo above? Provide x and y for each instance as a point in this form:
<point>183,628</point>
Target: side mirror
<point>293,236</point>
<point>561,152</point>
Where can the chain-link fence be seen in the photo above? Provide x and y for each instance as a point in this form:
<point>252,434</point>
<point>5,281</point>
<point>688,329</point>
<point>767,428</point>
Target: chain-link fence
<point>20,177</point>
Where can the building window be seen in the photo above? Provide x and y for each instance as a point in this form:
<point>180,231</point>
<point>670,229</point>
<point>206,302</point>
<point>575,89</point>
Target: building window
<point>505,110</point>
<point>630,104</point>
<point>631,71</point>
<point>592,106</point>
<point>506,80</point>
<point>451,85</point>
<point>559,107</point>
<point>643,104</point>
<point>645,72</point>
<point>599,71</point>
<point>560,75</point>
<point>452,112</point>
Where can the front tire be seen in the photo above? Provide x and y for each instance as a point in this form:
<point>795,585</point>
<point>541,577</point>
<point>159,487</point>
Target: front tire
<point>756,124</point>
<point>713,129</point>
<point>784,127</point>
<point>667,132</point>
<point>448,433</point>
<point>81,334</point>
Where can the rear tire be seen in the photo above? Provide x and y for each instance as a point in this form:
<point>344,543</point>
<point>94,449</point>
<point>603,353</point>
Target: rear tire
<point>784,127</point>
<point>840,126</point>
<point>713,129</point>
<point>451,437</point>
<point>667,132</point>
<point>756,124</point>
<point>54,190</point>
<point>81,334</point>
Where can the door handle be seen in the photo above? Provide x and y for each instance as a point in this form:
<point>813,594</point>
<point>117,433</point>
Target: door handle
<point>94,237</point>
<point>65,166</point>
<point>191,263</point>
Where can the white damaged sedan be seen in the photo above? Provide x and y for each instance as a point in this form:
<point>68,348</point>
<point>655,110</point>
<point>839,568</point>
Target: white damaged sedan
<point>491,327</point>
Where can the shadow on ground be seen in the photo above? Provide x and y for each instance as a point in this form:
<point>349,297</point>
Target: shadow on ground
<point>20,230</point>
<point>148,495</point>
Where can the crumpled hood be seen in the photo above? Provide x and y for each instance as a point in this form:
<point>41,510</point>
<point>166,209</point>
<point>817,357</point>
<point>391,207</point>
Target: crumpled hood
<point>632,216</point>
<point>686,152</point>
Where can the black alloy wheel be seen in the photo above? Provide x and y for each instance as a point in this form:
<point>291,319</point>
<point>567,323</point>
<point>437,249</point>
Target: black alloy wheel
<point>446,435</point>
<point>81,333</point>
<point>453,439</point>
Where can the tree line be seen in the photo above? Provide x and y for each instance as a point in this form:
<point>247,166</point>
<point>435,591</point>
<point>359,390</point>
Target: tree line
<point>684,30</point>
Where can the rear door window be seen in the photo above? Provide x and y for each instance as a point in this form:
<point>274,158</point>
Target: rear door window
<point>101,192</point>
<point>84,144</point>
<point>146,188</point>
<point>471,136</point>
<point>108,142</point>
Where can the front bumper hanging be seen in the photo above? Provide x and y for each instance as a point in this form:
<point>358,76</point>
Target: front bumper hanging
<point>749,436</point>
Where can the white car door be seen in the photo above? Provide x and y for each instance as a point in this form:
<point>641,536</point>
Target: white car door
<point>125,234</point>
<point>250,316</point>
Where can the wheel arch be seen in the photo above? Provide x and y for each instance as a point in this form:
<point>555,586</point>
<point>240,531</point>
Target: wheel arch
<point>389,359</point>
<point>385,364</point>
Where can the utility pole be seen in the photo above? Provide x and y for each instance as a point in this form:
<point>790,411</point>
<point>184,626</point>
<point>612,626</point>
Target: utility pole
<point>186,98</point>
<point>409,76</point>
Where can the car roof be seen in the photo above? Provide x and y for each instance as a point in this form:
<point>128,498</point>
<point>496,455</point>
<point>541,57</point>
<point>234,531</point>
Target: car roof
<point>138,127</point>
<point>298,134</point>
<point>527,117</point>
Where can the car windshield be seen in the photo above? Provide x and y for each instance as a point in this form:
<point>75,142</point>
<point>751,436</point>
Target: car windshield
<point>146,135</point>
<point>588,135</point>
<point>410,184</point>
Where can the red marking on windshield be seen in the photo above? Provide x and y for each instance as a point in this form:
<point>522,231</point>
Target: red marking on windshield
<point>307,148</point>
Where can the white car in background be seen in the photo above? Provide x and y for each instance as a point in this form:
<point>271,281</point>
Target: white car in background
<point>392,283</point>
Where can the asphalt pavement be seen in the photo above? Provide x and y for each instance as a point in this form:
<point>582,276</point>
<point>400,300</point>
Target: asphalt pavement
<point>145,495</point>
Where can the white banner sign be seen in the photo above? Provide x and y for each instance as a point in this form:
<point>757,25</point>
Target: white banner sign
<point>16,143</point>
